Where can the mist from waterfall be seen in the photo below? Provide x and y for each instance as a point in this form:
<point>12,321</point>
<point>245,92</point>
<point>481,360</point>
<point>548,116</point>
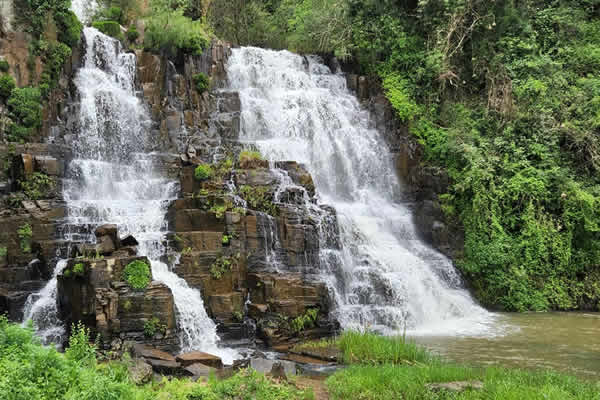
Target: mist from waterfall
<point>384,277</point>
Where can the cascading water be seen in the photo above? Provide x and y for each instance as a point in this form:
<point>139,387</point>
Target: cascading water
<point>114,179</point>
<point>383,277</point>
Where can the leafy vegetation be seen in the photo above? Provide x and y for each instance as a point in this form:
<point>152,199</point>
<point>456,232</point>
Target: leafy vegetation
<point>221,266</point>
<point>201,82</point>
<point>258,198</point>
<point>203,172</point>
<point>3,252</point>
<point>4,66</point>
<point>31,371</point>
<point>25,234</point>
<point>110,28</point>
<point>37,185</point>
<point>7,84</point>
<point>25,109</point>
<point>137,275</point>
<point>305,321</point>
<point>152,326</point>
<point>169,31</point>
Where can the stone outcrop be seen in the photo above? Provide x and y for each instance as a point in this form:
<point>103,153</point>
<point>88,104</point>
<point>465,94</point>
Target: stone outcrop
<point>92,290</point>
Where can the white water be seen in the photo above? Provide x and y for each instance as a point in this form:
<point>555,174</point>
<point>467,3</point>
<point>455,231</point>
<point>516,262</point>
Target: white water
<point>114,179</point>
<point>384,277</point>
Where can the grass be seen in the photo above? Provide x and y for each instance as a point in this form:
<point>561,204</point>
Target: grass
<point>369,348</point>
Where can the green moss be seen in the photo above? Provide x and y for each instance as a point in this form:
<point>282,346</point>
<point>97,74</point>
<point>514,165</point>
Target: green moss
<point>127,305</point>
<point>203,172</point>
<point>201,82</point>
<point>25,234</point>
<point>7,84</point>
<point>137,275</point>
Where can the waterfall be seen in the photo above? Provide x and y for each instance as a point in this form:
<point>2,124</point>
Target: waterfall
<point>383,277</point>
<point>114,178</point>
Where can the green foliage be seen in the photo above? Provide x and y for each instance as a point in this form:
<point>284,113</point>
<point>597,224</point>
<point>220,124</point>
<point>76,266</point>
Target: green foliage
<point>37,15</point>
<point>370,348</point>
<point>249,155</point>
<point>25,234</point>
<point>4,66</point>
<point>79,269</point>
<point>305,321</point>
<point>258,198</point>
<point>152,326</point>
<point>25,111</point>
<point>201,82</point>
<point>203,172</point>
<point>37,185</point>
<point>132,34</point>
<point>110,28</point>
<point>3,252</point>
<point>54,55</point>
<point>127,305</point>
<point>80,349</point>
<point>137,275</point>
<point>69,28</point>
<point>225,240</point>
<point>169,31</point>
<point>221,266</point>
<point>7,84</point>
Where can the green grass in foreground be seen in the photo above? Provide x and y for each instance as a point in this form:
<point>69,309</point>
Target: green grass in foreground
<point>386,368</point>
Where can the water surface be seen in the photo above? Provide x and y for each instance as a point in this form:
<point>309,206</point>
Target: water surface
<point>567,342</point>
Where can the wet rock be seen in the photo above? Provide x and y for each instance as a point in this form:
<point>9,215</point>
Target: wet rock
<point>458,386</point>
<point>278,371</point>
<point>48,165</point>
<point>198,370</point>
<point>148,352</point>
<point>105,245</point>
<point>198,357</point>
<point>129,241</point>
<point>266,366</point>
<point>165,367</point>
<point>140,372</point>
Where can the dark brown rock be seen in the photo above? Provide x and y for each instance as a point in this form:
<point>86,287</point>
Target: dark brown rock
<point>198,357</point>
<point>148,352</point>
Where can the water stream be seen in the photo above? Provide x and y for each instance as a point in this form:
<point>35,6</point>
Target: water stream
<point>114,179</point>
<point>384,277</point>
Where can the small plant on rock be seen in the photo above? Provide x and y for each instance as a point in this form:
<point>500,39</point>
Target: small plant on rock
<point>127,305</point>
<point>79,269</point>
<point>305,321</point>
<point>37,186</point>
<point>4,66</point>
<point>203,172</point>
<point>226,240</point>
<point>80,348</point>
<point>3,252</point>
<point>152,326</point>
<point>132,34</point>
<point>7,84</point>
<point>137,275</point>
<point>220,267</point>
<point>25,233</point>
<point>201,82</point>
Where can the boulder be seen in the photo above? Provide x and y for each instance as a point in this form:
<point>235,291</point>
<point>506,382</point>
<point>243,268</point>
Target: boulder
<point>151,353</point>
<point>197,370</point>
<point>165,367</point>
<point>105,245</point>
<point>140,372</point>
<point>266,366</point>
<point>198,357</point>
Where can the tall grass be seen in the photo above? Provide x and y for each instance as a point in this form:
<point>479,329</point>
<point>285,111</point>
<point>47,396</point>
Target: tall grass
<point>369,348</point>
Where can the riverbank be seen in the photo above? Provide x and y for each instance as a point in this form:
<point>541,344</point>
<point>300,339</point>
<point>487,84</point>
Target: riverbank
<point>376,368</point>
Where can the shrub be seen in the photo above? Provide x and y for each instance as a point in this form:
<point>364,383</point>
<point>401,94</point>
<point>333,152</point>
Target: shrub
<point>79,269</point>
<point>110,28</point>
<point>80,349</point>
<point>174,34</point>
<point>37,185</point>
<point>55,55</point>
<point>305,321</point>
<point>203,172</point>
<point>201,82</point>
<point>137,275</point>
<point>69,27</point>
<point>152,326</point>
<point>25,111</point>
<point>258,198</point>
<point>132,34</point>
<point>7,84</point>
<point>4,66</point>
<point>225,240</point>
<point>221,266</point>
<point>25,233</point>
<point>3,251</point>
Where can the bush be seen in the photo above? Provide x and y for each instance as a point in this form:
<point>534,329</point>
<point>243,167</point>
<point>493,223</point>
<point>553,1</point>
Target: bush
<point>203,172</point>
<point>201,82</point>
<point>37,186</point>
<point>25,234</point>
<point>137,275</point>
<point>69,28</point>
<point>110,28</point>
<point>80,349</point>
<point>4,66</point>
<point>152,326</point>
<point>174,34</point>
<point>132,34</point>
<point>55,56</point>
<point>25,111</point>
<point>7,84</point>
<point>3,251</point>
<point>221,266</point>
<point>79,269</point>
